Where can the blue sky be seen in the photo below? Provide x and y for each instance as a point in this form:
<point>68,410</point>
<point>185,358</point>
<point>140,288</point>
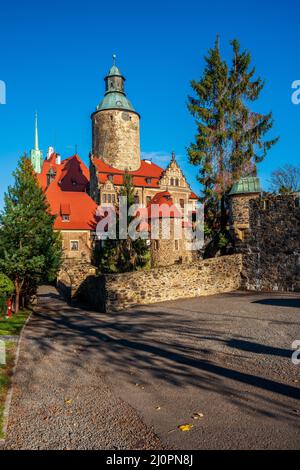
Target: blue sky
<point>54,56</point>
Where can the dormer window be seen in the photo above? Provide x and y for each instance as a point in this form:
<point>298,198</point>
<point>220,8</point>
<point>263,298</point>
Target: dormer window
<point>65,211</point>
<point>50,176</point>
<point>148,180</point>
<point>110,178</point>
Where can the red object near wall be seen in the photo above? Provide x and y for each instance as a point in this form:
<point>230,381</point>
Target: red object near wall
<point>9,308</point>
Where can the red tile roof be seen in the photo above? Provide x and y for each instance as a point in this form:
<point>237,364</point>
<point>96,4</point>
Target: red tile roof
<point>147,175</point>
<point>194,196</point>
<point>71,170</point>
<point>163,202</point>
<point>67,198</point>
<point>79,206</point>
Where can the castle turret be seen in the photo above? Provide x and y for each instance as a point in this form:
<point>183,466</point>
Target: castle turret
<point>241,193</point>
<point>116,126</point>
<point>36,156</point>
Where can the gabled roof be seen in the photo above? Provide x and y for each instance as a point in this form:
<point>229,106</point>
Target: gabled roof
<point>64,197</point>
<point>67,172</point>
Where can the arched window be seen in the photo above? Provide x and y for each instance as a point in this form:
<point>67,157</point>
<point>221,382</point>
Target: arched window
<point>177,182</point>
<point>172,181</point>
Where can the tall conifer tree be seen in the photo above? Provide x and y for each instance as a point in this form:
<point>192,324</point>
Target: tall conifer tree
<point>230,136</point>
<point>30,250</point>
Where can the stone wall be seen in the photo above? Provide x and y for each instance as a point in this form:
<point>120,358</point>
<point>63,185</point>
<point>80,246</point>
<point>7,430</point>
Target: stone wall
<point>72,276</point>
<point>271,249</point>
<point>239,214</point>
<point>172,246</point>
<point>116,292</point>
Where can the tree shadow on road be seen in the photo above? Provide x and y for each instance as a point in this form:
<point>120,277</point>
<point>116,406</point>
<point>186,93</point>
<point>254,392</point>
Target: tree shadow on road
<point>165,346</point>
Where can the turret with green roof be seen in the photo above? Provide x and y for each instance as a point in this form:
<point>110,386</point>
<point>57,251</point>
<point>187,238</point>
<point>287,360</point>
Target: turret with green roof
<point>115,97</point>
<point>242,192</point>
<point>116,126</point>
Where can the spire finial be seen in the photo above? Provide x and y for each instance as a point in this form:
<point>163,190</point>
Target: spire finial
<point>173,156</point>
<point>114,58</point>
<point>36,133</point>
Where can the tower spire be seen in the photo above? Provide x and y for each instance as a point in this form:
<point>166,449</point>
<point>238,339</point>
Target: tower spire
<point>36,155</point>
<point>36,133</point>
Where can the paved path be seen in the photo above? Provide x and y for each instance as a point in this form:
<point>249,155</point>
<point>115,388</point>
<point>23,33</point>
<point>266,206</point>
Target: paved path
<point>227,357</point>
<point>60,399</point>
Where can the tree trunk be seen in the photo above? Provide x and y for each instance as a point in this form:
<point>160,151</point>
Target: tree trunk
<point>18,287</point>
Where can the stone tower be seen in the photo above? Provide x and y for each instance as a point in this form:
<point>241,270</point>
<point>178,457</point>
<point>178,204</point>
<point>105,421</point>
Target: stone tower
<point>116,126</point>
<point>240,195</point>
<point>36,156</point>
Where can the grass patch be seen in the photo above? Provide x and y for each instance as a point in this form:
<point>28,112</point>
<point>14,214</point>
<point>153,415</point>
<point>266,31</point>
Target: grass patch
<point>5,379</point>
<point>9,327</point>
<point>13,325</point>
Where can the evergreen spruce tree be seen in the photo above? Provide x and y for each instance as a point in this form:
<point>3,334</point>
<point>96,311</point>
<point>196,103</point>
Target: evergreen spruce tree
<point>30,250</point>
<point>124,255</point>
<point>229,141</point>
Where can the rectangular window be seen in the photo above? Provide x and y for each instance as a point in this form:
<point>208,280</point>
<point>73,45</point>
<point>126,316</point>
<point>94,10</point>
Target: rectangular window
<point>136,199</point>
<point>74,245</point>
<point>181,202</point>
<point>148,200</point>
<point>109,198</point>
<point>104,198</point>
<point>176,244</point>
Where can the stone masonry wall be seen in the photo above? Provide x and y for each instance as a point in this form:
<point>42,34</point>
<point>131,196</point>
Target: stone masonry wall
<point>271,250</point>
<point>116,138</point>
<point>122,291</point>
<point>72,276</point>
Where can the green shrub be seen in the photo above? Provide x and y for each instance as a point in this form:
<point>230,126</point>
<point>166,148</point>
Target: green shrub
<point>6,286</point>
<point>6,291</point>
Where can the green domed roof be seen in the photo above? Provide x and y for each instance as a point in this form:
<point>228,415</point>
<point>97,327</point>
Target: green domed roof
<point>115,100</point>
<point>114,71</point>
<point>247,185</point>
<point>115,97</point>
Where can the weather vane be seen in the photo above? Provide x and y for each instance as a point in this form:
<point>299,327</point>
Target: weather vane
<point>114,58</point>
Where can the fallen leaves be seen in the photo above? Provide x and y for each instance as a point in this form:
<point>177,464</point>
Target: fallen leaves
<point>68,401</point>
<point>185,427</point>
<point>198,416</point>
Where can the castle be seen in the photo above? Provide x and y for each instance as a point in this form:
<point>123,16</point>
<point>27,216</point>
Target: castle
<point>74,191</point>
